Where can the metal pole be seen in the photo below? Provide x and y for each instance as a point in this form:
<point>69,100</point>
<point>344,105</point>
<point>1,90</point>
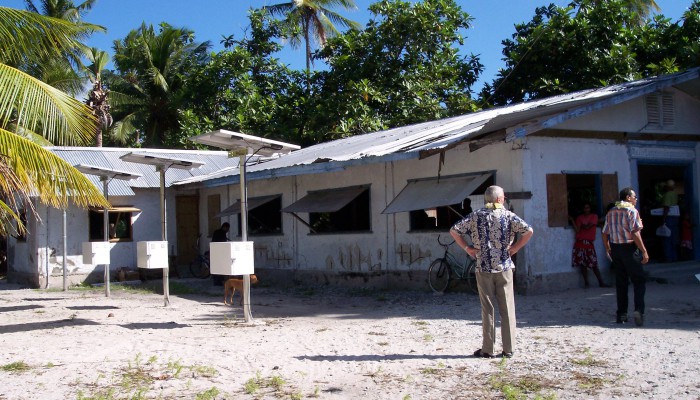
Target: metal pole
<point>164,235</point>
<point>105,191</point>
<point>65,253</point>
<point>244,236</point>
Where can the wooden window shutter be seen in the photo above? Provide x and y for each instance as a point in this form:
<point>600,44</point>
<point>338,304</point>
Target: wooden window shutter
<point>609,190</point>
<point>557,202</point>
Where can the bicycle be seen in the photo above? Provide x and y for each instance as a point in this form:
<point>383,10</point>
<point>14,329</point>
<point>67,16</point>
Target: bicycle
<point>441,270</point>
<point>199,267</point>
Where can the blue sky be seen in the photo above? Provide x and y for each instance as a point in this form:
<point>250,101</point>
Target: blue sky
<point>212,19</point>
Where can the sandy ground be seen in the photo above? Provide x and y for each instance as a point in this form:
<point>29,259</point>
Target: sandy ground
<point>331,343</point>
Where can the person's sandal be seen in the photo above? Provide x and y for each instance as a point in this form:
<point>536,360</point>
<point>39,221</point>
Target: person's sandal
<point>481,354</point>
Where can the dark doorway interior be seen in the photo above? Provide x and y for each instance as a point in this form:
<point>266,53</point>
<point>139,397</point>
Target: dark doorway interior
<point>652,183</point>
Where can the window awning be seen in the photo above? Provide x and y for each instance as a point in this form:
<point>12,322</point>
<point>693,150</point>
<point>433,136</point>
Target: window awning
<point>427,193</point>
<point>118,209</point>
<point>253,203</point>
<point>325,200</point>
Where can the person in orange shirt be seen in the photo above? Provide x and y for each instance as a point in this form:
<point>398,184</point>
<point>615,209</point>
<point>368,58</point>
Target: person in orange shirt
<point>583,254</point>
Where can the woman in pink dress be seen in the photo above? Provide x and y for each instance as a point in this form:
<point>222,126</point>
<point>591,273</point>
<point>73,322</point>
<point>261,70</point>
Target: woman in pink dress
<point>583,255</point>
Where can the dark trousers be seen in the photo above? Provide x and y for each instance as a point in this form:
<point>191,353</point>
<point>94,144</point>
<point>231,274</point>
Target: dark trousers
<point>627,268</point>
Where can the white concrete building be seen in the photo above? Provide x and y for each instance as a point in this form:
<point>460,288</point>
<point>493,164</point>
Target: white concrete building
<point>38,258</point>
<point>367,210</point>
<point>353,210</point>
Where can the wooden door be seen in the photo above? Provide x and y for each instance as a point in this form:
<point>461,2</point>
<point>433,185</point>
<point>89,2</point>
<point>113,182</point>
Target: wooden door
<point>187,217</point>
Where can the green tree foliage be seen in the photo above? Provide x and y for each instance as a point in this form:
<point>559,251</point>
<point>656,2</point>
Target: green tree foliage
<point>245,88</point>
<point>314,19</point>
<point>66,72</point>
<point>30,107</point>
<point>403,68</point>
<point>148,88</point>
<point>561,50</point>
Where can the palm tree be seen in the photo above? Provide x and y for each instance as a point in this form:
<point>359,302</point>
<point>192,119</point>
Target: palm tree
<point>152,71</point>
<point>97,96</point>
<point>315,19</point>
<point>64,73</point>
<point>30,107</point>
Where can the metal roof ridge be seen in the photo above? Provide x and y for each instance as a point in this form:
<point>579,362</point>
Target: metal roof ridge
<point>136,149</point>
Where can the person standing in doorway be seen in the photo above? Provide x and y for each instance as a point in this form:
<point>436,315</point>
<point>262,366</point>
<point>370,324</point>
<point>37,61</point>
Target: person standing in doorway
<point>622,237</point>
<point>672,220</point>
<point>583,254</point>
<point>493,231</point>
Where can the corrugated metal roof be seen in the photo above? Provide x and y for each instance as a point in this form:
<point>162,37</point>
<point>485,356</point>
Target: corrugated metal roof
<point>434,136</point>
<point>108,157</point>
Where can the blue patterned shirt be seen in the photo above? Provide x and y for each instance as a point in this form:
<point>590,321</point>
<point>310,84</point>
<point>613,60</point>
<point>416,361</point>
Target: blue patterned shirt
<point>492,231</point>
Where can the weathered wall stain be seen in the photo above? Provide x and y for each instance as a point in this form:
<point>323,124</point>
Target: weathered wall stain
<point>277,257</point>
<point>352,258</point>
<point>410,254</point>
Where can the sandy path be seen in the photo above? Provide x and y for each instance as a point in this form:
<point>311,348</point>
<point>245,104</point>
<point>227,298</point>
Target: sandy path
<point>341,344</point>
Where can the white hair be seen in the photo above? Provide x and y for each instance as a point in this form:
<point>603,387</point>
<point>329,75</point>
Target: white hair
<point>493,193</point>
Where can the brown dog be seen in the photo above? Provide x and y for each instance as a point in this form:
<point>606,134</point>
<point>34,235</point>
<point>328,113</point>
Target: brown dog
<point>233,284</point>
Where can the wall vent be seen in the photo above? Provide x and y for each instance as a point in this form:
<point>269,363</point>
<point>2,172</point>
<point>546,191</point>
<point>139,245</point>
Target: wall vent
<point>660,110</point>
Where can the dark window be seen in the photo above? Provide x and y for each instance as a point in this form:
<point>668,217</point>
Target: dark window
<point>120,228</point>
<point>265,219</point>
<point>442,218</point>
<point>353,217</point>
<point>568,192</point>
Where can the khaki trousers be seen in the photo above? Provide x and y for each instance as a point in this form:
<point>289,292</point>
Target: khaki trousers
<point>497,288</point>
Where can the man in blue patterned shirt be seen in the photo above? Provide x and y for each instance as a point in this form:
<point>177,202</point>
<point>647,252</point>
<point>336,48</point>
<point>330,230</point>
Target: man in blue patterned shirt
<point>493,231</point>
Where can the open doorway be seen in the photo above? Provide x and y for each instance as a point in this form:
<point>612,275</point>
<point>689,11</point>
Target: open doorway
<point>654,179</point>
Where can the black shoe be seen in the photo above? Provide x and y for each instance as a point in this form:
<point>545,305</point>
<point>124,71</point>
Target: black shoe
<point>638,318</point>
<point>622,319</point>
<point>481,354</point>
<point>507,354</point>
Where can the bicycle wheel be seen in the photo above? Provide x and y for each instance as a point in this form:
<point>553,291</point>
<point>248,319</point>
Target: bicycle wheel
<point>199,268</point>
<point>470,277</point>
<point>439,275</point>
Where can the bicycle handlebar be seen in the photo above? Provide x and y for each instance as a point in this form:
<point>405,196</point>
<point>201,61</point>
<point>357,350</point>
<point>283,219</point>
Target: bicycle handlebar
<point>444,244</point>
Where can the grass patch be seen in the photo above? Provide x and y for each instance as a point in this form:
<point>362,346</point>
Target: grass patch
<point>521,387</point>
<point>17,366</point>
<point>588,360</point>
<point>138,378</point>
<point>588,382</point>
<point>148,287</point>
<point>208,394</point>
<point>275,385</point>
<point>202,370</point>
<point>437,370</point>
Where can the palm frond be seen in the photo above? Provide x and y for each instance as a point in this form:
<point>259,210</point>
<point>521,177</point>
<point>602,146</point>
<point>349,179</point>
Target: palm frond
<point>26,36</point>
<point>41,108</point>
<point>280,9</point>
<point>43,174</point>
<point>122,130</point>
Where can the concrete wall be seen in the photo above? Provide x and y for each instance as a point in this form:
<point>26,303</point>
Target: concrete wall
<point>389,255</point>
<point>42,254</point>
<point>392,255</point>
